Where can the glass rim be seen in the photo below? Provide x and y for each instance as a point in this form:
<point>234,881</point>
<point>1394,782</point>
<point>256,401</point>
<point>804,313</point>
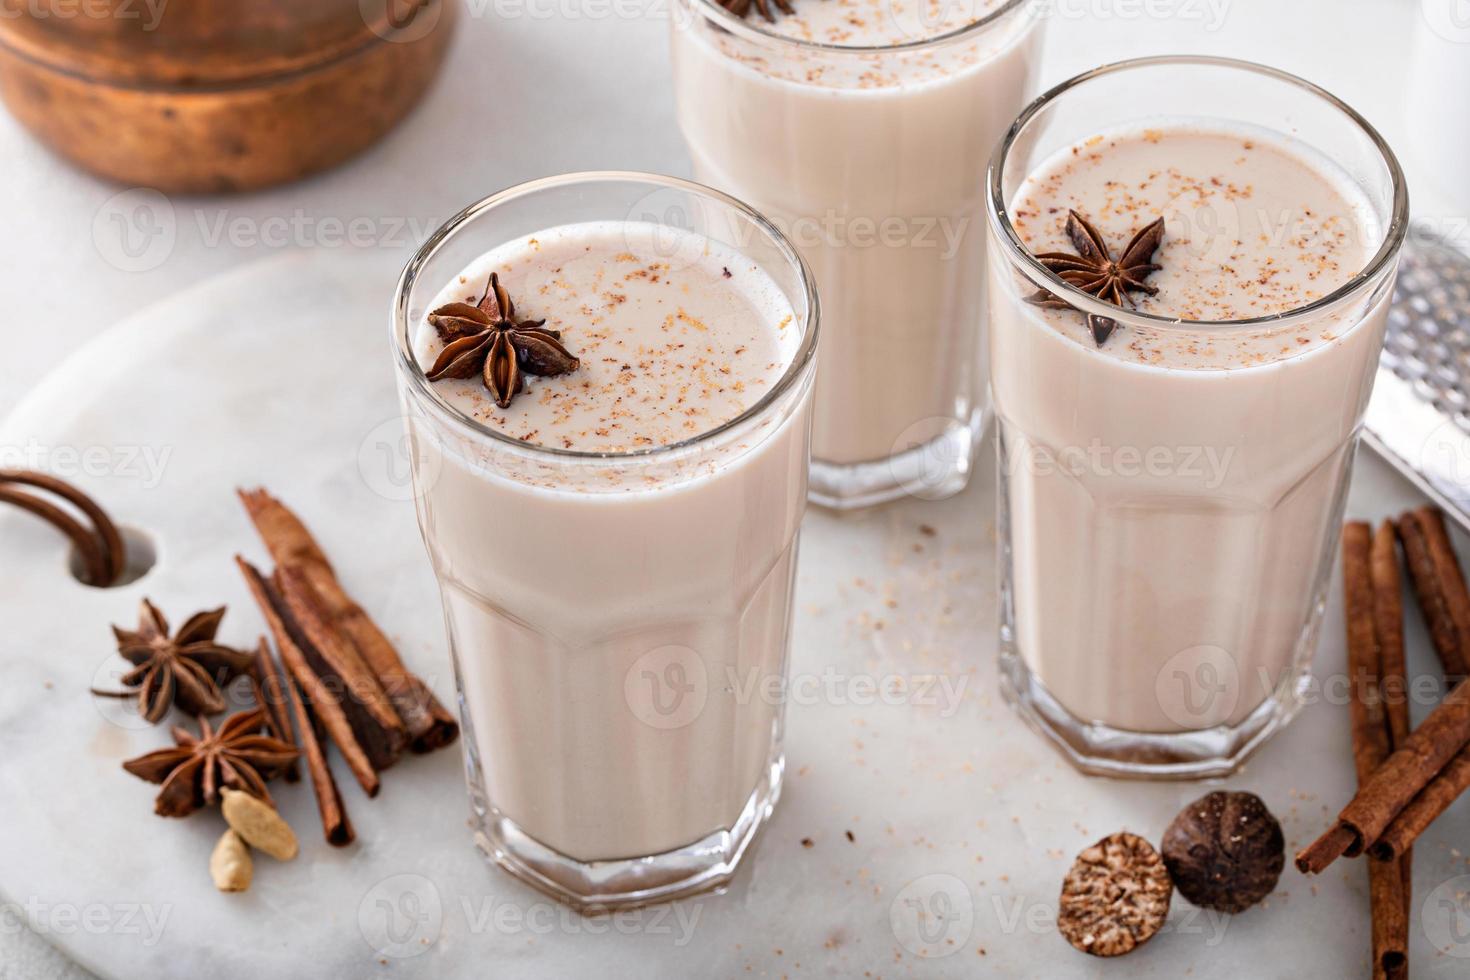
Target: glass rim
<point>998,208</point>
<point>408,364</point>
<point>754,32</point>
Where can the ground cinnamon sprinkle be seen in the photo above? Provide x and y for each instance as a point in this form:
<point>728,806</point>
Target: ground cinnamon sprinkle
<point>668,348</point>
<point>868,24</point>
<point>1248,236</point>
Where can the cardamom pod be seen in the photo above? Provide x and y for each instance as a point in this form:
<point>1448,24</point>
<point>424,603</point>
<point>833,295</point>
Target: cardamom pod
<point>259,824</point>
<point>230,865</point>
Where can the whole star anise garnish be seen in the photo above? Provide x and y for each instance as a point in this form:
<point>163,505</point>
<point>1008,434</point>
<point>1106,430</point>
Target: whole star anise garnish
<point>742,7</point>
<point>486,339</point>
<point>1093,270</point>
<point>186,669</point>
<point>194,769</point>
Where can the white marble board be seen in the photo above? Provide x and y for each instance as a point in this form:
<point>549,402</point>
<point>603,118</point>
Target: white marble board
<point>279,374</point>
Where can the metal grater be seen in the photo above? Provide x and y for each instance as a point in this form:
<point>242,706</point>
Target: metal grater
<point>1419,417</point>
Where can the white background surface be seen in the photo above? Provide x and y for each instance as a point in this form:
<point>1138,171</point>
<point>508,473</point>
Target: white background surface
<point>549,86</point>
<point>557,85</point>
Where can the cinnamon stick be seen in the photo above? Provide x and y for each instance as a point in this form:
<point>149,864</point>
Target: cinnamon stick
<point>1333,844</point>
<point>325,702</point>
<point>1388,621</point>
<point>1370,734</point>
<point>1415,818</point>
<point>1439,586</point>
<point>379,730</point>
<point>270,693</point>
<point>336,826</point>
<point>1370,737</point>
<point>1427,750</point>
<point>1454,780</point>
<point>1390,920</point>
<point>287,539</point>
<point>430,726</point>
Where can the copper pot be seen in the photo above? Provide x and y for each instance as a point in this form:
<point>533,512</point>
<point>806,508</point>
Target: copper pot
<point>216,95</point>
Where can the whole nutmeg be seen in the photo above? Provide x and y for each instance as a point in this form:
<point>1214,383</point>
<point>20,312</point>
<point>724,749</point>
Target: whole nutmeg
<point>1225,851</point>
<point>1115,898</point>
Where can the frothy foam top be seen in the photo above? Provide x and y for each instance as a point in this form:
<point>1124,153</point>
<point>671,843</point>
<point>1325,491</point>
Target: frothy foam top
<point>878,23</point>
<point>677,334</point>
<point>875,24</point>
<point>1255,228</point>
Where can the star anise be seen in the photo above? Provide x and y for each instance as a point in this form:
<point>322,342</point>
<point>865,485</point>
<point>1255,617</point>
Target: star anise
<point>196,767</point>
<point>1093,270</point>
<point>742,7</point>
<point>486,339</point>
<point>186,669</point>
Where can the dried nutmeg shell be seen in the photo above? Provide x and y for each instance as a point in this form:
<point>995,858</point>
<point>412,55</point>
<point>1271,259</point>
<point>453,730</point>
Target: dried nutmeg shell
<point>1225,851</point>
<point>1115,897</point>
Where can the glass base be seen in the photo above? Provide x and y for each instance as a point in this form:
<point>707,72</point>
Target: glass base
<point>1099,750</point>
<point>592,886</point>
<point>932,470</point>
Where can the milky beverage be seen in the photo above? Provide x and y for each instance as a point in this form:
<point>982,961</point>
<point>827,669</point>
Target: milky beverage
<point>1173,495</point>
<point>571,586</point>
<point>873,164</point>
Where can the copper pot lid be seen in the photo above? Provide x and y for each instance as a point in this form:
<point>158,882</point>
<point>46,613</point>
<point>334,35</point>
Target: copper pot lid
<point>202,44</point>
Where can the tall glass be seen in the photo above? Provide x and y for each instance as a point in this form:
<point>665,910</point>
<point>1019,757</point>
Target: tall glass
<point>1167,532</point>
<point>609,613</point>
<point>871,159</point>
